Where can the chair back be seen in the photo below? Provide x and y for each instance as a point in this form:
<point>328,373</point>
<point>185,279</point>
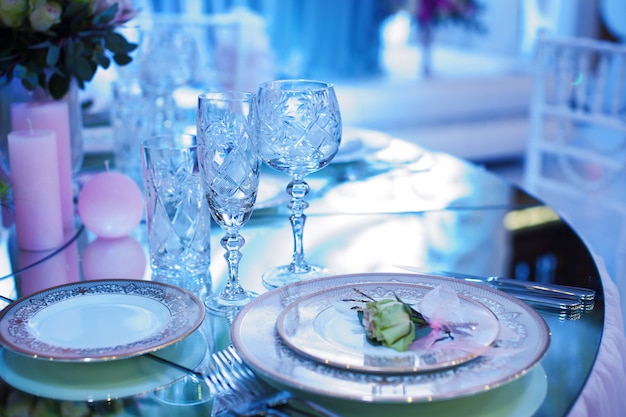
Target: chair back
<point>577,143</point>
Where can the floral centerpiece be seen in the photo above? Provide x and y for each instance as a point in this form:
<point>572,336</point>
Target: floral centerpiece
<point>49,43</point>
<point>431,14</point>
<point>52,46</point>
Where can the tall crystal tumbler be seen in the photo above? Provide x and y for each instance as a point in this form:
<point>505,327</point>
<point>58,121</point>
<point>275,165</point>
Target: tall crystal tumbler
<point>177,214</point>
<point>229,160</point>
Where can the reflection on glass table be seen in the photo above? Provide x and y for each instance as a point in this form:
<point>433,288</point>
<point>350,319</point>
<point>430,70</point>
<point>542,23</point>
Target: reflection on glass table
<point>402,205</point>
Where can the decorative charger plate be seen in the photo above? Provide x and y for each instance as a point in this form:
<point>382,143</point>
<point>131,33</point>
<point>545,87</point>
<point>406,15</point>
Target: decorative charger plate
<point>98,381</point>
<point>324,327</point>
<point>99,320</point>
<point>521,343</point>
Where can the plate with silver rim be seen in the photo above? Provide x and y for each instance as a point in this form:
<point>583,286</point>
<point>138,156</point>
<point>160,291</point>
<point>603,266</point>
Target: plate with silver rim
<point>522,342</point>
<point>98,381</point>
<point>99,320</point>
<point>325,327</point>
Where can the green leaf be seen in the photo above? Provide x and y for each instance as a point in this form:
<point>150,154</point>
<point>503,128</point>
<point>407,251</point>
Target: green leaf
<point>102,60</point>
<point>79,47</point>
<point>84,69</point>
<point>69,53</point>
<point>105,16</point>
<point>77,14</point>
<point>53,55</point>
<point>75,9</point>
<point>20,71</point>
<point>30,80</point>
<point>6,46</point>
<point>117,44</point>
<point>58,86</point>
<point>122,59</point>
<point>41,45</point>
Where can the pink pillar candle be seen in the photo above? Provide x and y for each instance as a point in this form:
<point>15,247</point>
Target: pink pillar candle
<point>51,115</point>
<point>35,184</point>
<point>49,273</point>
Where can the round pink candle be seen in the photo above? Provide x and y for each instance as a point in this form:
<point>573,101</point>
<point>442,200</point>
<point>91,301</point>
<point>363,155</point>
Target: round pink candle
<point>35,184</point>
<point>51,115</point>
<point>110,205</point>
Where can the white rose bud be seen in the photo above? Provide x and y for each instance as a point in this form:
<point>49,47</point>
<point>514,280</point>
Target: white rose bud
<point>13,12</point>
<point>46,15</point>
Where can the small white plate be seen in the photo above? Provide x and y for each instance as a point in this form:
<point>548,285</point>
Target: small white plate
<point>99,320</point>
<point>322,327</point>
<point>80,381</point>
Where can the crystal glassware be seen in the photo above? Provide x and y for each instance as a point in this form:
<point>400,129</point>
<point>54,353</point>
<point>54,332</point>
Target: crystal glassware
<point>168,60</point>
<point>300,133</point>
<point>230,166</point>
<point>177,215</point>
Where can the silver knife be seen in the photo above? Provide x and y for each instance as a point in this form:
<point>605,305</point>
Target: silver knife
<point>552,296</point>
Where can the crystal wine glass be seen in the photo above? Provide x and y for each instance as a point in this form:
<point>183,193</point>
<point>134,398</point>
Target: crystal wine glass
<point>300,133</point>
<point>230,166</point>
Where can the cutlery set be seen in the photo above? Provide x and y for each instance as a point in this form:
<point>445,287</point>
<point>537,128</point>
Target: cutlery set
<point>560,299</point>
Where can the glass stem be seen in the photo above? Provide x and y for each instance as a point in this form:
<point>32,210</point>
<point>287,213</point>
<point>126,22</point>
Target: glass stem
<point>232,243</point>
<point>164,114</point>
<point>298,189</point>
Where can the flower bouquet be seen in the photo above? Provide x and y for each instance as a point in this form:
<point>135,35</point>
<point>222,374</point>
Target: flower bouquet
<point>438,12</point>
<point>49,43</point>
<point>431,14</point>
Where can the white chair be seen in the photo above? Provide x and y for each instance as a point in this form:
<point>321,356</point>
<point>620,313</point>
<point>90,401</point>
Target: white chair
<point>576,154</point>
<point>578,120</point>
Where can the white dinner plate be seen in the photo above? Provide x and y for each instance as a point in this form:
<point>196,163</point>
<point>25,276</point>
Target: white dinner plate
<point>99,320</point>
<point>84,381</point>
<point>324,327</point>
<point>520,398</point>
<point>521,343</point>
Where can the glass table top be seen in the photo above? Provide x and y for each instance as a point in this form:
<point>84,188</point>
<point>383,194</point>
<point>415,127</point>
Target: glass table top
<point>398,205</point>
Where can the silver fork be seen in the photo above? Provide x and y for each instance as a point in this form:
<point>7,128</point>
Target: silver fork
<point>239,392</point>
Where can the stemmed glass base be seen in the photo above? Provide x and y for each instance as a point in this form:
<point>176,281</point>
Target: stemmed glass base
<point>233,297</point>
<point>299,269</point>
<point>225,307</point>
<point>286,274</point>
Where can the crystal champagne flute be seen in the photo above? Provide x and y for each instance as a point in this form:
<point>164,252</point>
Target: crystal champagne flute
<point>230,167</point>
<point>300,133</point>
